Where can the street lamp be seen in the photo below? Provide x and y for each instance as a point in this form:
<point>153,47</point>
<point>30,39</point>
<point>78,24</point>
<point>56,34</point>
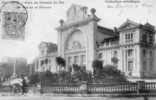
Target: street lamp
<point>14,69</point>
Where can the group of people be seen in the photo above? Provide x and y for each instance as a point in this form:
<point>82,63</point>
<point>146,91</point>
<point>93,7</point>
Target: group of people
<point>20,86</point>
<point>24,85</point>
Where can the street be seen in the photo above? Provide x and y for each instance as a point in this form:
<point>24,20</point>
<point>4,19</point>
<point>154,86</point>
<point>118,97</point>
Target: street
<point>66,98</point>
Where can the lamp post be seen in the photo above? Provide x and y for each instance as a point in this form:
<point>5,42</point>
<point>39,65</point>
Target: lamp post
<point>14,69</point>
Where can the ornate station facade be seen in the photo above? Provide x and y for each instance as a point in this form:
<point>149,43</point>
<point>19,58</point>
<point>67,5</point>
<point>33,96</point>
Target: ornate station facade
<point>130,47</point>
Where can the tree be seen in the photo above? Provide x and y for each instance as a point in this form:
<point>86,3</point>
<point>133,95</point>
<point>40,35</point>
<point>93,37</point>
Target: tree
<point>76,68</point>
<point>45,78</point>
<point>48,77</point>
<point>6,70</point>
<point>76,75</point>
<point>61,62</point>
<point>64,77</point>
<point>97,67</point>
<point>112,71</point>
<point>34,78</point>
<point>80,74</point>
<point>114,61</point>
<point>97,64</point>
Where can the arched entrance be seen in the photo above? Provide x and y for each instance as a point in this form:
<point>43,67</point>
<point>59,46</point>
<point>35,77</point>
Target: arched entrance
<point>75,49</point>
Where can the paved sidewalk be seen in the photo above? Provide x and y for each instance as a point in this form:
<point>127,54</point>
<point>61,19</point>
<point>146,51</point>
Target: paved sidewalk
<point>37,96</point>
<point>63,98</point>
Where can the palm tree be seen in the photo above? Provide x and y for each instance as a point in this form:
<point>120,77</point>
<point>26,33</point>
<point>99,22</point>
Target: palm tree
<point>60,62</point>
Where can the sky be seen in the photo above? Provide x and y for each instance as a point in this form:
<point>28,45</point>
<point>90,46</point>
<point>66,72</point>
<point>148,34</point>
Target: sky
<point>41,23</point>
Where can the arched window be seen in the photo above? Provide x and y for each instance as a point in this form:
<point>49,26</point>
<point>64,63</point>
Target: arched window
<point>75,40</point>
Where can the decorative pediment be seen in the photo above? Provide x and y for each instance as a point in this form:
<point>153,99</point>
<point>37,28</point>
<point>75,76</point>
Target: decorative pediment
<point>128,25</point>
<point>77,16</point>
<point>76,13</point>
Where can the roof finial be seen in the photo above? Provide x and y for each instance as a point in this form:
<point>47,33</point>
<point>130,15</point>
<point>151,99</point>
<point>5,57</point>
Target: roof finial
<point>128,19</point>
<point>93,10</point>
<point>61,22</point>
<point>115,30</point>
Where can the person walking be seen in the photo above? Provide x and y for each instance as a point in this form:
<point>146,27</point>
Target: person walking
<point>24,85</point>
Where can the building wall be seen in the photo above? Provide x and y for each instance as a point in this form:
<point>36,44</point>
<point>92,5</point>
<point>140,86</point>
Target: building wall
<point>127,49</point>
<point>19,63</point>
<point>108,54</point>
<point>87,26</point>
<point>154,61</point>
<point>46,63</point>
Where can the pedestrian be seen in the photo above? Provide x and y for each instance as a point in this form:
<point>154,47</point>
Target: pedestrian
<point>24,85</point>
<point>39,88</point>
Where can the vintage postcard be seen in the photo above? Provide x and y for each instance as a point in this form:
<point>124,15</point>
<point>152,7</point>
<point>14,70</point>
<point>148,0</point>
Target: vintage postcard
<point>78,49</point>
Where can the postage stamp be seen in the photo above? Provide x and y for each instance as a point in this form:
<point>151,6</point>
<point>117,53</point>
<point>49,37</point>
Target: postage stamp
<point>14,18</point>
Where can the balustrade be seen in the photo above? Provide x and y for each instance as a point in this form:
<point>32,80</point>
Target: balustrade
<point>95,88</point>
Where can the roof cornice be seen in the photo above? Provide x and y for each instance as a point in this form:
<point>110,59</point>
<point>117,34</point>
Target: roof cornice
<point>77,23</point>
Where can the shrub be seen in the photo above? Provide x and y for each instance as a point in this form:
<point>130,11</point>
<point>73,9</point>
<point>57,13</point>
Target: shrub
<point>34,78</point>
<point>60,61</point>
<point>110,73</point>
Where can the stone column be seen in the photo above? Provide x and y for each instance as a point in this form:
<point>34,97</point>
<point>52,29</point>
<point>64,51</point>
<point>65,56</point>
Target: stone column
<point>91,42</point>
<point>60,38</point>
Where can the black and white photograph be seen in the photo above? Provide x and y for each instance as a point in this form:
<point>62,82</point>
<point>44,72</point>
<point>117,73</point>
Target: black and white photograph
<point>77,50</point>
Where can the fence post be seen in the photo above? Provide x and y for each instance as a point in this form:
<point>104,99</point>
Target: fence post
<point>84,87</point>
<point>140,86</point>
<point>145,98</point>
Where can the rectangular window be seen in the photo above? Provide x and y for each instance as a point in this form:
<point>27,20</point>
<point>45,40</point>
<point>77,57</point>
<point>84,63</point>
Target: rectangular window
<point>83,60</point>
<point>41,62</point>
<point>144,52</point>
<point>144,66</point>
<point>130,67</point>
<point>128,37</point>
<point>151,39</point>
<point>151,53</point>
<point>151,63</point>
<point>46,61</point>
<point>144,37</point>
<point>100,55</point>
<point>76,59</point>
<point>69,60</point>
<point>129,52</point>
